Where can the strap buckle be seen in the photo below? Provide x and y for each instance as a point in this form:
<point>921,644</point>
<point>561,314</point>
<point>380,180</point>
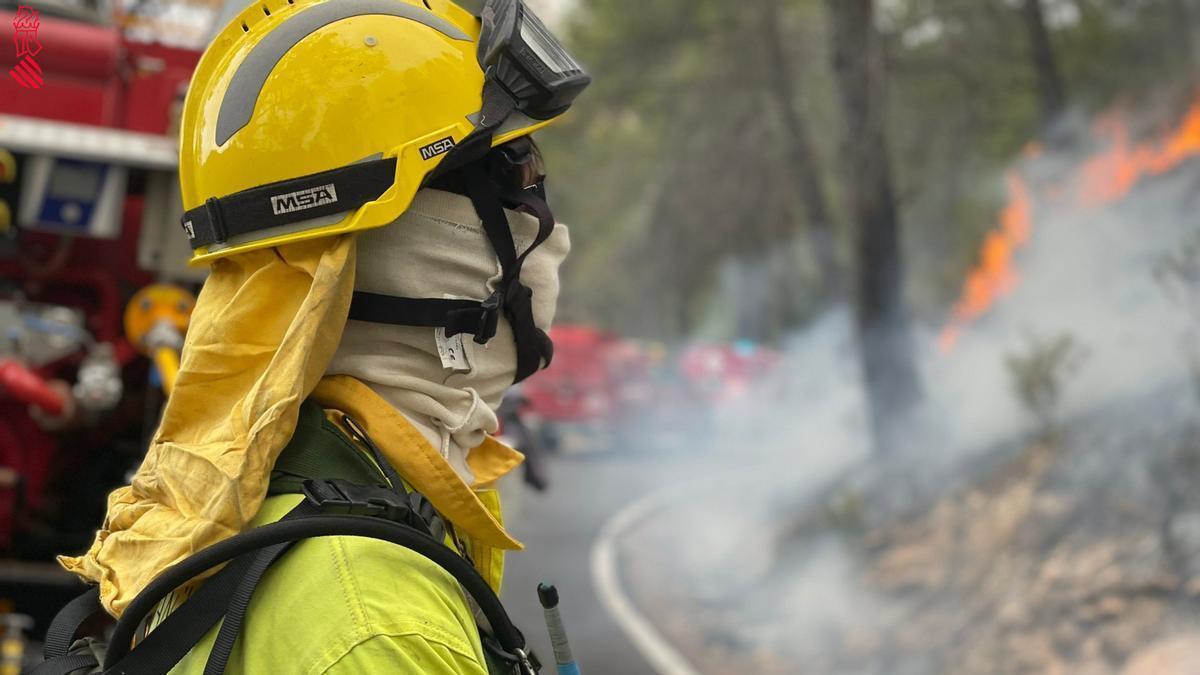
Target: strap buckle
<point>489,318</point>
<point>529,663</point>
<point>521,660</point>
<point>345,498</point>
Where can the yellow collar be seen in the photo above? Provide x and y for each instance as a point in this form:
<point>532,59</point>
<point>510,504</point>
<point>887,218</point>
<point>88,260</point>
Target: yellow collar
<point>423,466</point>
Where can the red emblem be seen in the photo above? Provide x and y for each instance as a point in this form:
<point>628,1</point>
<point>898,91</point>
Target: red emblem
<point>27,72</point>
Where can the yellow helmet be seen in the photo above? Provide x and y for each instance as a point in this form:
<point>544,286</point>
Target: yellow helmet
<point>311,118</point>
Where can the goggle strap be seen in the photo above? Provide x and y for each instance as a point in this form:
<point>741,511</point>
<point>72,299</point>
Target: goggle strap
<point>317,195</point>
<point>498,106</point>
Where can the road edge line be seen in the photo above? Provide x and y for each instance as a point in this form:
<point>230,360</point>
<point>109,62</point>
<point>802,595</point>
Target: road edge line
<point>653,647</point>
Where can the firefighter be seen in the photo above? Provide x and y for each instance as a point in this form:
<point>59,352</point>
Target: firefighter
<point>383,266</point>
<point>517,432</point>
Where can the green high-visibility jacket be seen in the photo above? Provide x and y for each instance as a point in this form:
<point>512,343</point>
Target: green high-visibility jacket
<point>350,605</point>
<point>354,605</point>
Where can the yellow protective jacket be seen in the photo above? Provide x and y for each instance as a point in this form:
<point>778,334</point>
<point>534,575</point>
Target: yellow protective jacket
<point>352,605</point>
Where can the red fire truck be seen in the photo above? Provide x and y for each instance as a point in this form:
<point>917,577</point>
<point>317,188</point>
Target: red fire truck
<point>573,403</point>
<point>89,207</point>
<point>600,387</point>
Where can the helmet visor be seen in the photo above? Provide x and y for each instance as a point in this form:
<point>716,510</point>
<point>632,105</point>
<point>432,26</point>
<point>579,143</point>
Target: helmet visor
<point>520,53</point>
<point>546,47</point>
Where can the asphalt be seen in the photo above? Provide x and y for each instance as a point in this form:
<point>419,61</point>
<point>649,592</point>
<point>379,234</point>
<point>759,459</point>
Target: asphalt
<point>559,529</point>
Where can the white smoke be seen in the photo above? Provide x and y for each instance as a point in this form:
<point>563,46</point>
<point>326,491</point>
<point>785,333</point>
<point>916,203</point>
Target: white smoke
<point>1085,272</point>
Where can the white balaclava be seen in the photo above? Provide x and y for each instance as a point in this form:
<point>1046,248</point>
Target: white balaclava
<point>438,249</point>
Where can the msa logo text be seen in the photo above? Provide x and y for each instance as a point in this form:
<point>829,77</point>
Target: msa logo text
<point>304,199</point>
<point>189,229</point>
<point>437,148</point>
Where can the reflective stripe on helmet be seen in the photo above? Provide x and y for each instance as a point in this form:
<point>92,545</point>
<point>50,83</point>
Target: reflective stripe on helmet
<point>242,95</point>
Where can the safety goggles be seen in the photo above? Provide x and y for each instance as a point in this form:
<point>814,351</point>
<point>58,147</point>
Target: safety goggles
<point>517,51</point>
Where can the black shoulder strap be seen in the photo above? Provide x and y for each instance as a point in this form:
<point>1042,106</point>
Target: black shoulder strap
<point>183,628</point>
<point>66,665</point>
<point>65,627</point>
<point>162,649</point>
<point>235,614</point>
<point>289,201</point>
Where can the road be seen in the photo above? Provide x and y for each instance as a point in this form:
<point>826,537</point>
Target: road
<point>559,529</point>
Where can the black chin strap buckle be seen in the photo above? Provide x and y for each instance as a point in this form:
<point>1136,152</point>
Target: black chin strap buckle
<point>489,318</point>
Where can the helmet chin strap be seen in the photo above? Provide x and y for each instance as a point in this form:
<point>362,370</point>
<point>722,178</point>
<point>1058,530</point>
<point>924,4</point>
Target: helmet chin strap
<point>512,299</point>
<point>516,299</point>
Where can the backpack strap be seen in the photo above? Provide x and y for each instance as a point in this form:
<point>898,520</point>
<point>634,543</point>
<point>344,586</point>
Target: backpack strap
<point>235,615</point>
<point>352,499</point>
<point>163,647</point>
<point>181,630</point>
<point>67,665</point>
<point>297,528</point>
<point>62,634</point>
<point>65,627</point>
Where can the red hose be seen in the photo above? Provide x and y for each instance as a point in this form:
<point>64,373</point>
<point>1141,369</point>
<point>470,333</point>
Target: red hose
<point>24,385</point>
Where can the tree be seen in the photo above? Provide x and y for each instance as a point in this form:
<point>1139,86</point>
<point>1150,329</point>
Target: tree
<point>801,155</point>
<point>1052,94</point>
<point>689,157</point>
<point>1182,28</point>
<point>885,340</point>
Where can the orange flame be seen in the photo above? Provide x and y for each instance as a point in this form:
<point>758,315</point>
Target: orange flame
<point>1110,176</point>
<point>994,277</point>
<point>1102,180</point>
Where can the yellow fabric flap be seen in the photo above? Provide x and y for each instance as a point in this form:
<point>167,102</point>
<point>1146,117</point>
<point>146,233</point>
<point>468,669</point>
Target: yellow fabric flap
<point>263,332</point>
<point>418,462</point>
<point>491,461</point>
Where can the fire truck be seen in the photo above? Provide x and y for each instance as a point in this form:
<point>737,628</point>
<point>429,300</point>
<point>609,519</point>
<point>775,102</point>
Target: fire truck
<point>608,392</point>
<point>600,388</point>
<point>92,265</point>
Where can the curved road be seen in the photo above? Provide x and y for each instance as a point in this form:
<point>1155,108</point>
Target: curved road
<point>559,529</point>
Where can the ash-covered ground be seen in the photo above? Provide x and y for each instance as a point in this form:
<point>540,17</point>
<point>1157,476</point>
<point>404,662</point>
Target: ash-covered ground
<point>1075,555</point>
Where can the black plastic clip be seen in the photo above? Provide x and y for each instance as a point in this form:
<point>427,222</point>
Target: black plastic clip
<point>489,319</point>
<point>345,498</point>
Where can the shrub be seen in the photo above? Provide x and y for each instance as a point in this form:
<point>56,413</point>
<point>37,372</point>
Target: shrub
<point>1040,373</point>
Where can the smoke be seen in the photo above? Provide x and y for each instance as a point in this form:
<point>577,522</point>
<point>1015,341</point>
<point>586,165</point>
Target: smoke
<point>1087,272</point>
<point>795,448</point>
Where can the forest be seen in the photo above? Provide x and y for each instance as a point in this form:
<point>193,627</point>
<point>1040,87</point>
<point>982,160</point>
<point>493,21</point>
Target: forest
<point>721,136</point>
